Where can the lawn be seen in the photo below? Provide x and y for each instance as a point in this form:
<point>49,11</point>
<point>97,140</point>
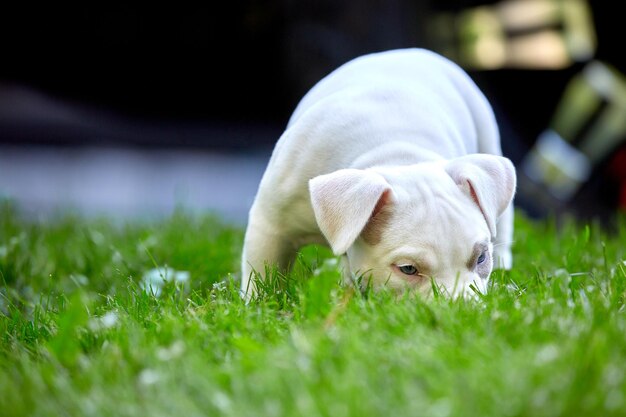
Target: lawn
<point>87,329</point>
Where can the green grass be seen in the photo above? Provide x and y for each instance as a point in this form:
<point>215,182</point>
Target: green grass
<point>80,337</point>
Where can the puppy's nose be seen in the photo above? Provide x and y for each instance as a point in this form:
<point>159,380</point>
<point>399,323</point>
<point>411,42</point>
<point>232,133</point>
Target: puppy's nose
<point>480,284</point>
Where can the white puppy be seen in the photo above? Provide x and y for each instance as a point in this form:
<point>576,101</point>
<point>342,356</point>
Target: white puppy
<point>393,160</point>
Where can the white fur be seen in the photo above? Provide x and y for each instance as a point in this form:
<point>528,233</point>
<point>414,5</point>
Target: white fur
<point>402,134</point>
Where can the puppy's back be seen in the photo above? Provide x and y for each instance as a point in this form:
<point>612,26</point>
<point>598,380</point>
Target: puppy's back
<point>404,67</point>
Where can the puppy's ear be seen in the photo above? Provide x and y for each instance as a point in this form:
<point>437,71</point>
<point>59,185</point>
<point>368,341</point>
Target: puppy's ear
<point>344,201</point>
<point>489,180</point>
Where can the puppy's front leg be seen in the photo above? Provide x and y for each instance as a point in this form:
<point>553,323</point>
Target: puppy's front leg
<point>264,246</point>
<point>502,257</point>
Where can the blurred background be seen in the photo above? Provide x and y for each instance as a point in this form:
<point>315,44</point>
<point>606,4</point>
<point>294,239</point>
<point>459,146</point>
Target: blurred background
<point>130,110</point>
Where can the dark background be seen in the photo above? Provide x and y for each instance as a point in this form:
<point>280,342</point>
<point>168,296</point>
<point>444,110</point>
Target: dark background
<point>226,76</point>
<point>244,61</point>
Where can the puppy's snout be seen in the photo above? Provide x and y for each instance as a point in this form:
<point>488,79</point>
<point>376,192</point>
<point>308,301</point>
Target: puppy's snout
<point>480,284</point>
<point>468,286</point>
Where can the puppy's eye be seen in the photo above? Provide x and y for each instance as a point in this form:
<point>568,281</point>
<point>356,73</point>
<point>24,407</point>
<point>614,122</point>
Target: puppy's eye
<point>407,269</point>
<point>481,258</point>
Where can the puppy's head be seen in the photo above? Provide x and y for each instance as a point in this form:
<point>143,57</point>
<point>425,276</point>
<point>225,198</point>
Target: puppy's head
<point>405,226</point>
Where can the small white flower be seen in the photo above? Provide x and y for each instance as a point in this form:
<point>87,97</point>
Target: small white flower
<point>175,350</point>
<point>154,279</point>
<point>222,401</point>
<point>149,377</point>
<point>107,321</point>
<point>547,354</point>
